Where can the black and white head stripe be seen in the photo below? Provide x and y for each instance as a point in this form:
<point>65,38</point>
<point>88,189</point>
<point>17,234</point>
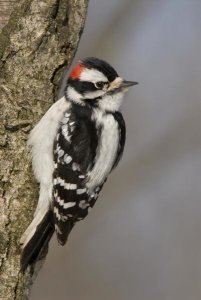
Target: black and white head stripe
<point>90,79</point>
<point>82,86</point>
<point>93,70</point>
<point>101,66</point>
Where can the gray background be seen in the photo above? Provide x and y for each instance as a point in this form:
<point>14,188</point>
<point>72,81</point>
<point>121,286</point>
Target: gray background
<point>142,240</point>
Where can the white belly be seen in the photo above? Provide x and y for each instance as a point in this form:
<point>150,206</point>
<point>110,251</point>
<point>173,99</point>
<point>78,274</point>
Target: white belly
<point>106,152</point>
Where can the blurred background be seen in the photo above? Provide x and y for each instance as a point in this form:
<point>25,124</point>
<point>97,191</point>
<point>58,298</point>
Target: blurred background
<point>142,240</point>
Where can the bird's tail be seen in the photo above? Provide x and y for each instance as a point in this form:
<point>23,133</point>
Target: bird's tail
<point>35,239</point>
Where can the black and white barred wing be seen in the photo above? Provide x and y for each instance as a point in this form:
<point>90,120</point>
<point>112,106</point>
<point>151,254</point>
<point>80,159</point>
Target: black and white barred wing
<point>71,201</point>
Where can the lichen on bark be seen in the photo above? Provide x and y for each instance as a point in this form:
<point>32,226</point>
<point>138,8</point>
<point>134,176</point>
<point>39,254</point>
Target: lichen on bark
<point>39,40</point>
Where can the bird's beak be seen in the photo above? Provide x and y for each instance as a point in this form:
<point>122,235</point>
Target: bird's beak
<point>126,83</point>
<point>119,85</point>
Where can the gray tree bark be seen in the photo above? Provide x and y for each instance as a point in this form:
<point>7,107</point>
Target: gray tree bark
<point>37,43</point>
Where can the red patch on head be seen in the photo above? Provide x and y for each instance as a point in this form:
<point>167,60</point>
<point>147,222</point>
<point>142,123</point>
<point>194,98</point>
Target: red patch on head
<point>76,72</point>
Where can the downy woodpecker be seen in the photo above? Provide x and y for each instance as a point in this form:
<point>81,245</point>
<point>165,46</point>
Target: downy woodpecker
<point>75,146</point>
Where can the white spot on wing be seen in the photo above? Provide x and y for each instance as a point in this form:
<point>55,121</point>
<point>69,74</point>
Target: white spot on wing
<point>81,176</point>
<point>66,133</point>
<point>60,153</point>
<point>67,158</point>
<point>57,229</point>
<point>66,185</point>
<point>64,128</point>
<point>60,181</point>
<point>70,186</point>
<point>63,204</point>
<point>83,204</point>
<point>75,167</point>
<point>81,191</point>
<point>56,212</point>
<point>69,204</point>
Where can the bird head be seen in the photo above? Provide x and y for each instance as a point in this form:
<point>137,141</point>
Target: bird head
<point>95,83</point>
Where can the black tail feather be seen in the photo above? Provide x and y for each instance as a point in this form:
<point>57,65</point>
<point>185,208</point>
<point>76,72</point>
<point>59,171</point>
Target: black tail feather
<point>64,231</point>
<point>35,247</point>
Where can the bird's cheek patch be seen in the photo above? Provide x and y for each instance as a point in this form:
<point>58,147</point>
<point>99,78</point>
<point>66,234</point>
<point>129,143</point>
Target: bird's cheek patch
<point>76,72</point>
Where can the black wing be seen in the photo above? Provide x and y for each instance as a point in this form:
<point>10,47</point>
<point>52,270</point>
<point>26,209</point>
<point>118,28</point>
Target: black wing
<point>74,152</point>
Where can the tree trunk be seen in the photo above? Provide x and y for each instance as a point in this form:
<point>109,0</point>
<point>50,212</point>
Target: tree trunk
<point>38,42</point>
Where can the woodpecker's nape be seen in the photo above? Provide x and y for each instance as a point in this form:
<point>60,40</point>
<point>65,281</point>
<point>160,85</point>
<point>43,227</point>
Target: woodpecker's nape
<point>75,146</point>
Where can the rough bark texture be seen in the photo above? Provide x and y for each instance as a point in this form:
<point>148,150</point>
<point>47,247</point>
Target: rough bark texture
<point>5,11</point>
<point>39,40</point>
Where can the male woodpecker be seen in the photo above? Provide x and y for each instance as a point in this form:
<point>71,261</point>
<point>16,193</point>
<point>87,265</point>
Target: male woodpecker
<point>75,146</point>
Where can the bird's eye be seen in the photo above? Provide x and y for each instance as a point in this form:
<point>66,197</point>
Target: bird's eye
<point>100,84</point>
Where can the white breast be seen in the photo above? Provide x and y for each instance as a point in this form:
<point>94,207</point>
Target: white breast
<point>107,149</point>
